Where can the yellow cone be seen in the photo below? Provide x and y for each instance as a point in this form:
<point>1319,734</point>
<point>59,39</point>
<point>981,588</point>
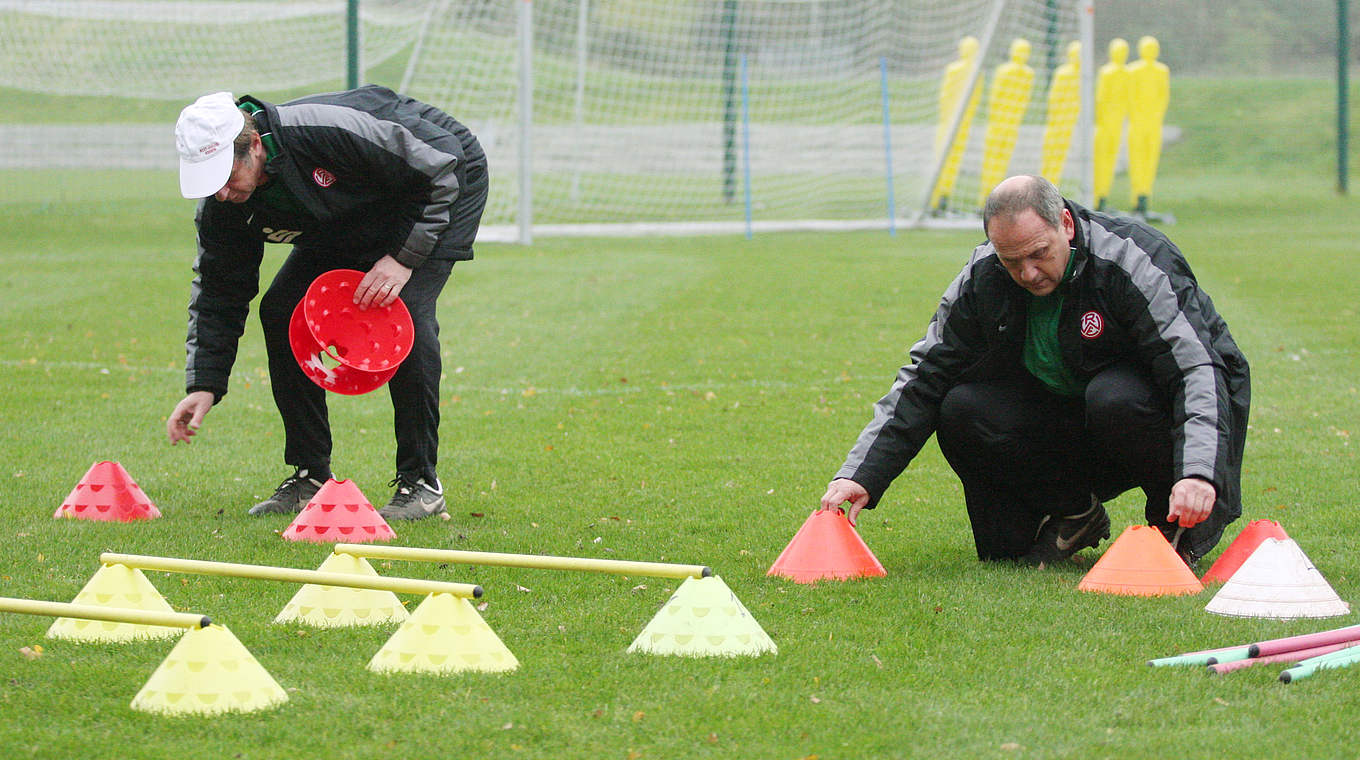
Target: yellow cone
<point>444,635</point>
<point>703,618</point>
<point>334,607</point>
<point>115,586</point>
<point>208,672</point>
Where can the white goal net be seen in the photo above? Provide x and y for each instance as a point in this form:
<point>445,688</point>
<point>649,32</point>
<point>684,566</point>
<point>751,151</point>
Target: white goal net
<point>599,116</point>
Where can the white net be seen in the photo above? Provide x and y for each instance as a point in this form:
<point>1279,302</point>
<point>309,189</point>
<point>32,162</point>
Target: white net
<point>177,49</point>
<point>685,115</point>
<point>654,112</point>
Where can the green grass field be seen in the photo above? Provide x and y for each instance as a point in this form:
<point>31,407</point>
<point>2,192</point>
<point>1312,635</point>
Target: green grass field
<point>678,400</point>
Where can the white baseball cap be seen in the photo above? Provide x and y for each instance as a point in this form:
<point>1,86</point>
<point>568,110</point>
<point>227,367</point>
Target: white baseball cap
<point>204,135</point>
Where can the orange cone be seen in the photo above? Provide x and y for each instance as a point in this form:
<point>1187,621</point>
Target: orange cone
<point>107,492</point>
<point>827,546</point>
<point>1241,548</point>
<point>1141,563</point>
<point>339,512</point>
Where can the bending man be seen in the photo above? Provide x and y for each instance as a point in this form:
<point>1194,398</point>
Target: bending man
<point>364,179</point>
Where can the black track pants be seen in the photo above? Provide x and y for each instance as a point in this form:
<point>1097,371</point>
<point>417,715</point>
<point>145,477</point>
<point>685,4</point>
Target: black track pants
<point>414,388</point>
<point>1024,453</point>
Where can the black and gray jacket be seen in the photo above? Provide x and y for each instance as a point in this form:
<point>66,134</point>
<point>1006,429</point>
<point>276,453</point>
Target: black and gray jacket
<point>1132,297</point>
<point>368,173</point>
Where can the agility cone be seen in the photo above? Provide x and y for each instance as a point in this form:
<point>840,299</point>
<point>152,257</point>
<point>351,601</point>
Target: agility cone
<point>444,635</point>
<point>364,347</point>
<point>703,618</point>
<point>827,546</point>
<point>209,672</point>
<point>1141,563</point>
<point>335,607</point>
<point>1277,581</point>
<point>1242,547</point>
<point>115,586</point>
<point>339,513</point>
<point>107,492</point>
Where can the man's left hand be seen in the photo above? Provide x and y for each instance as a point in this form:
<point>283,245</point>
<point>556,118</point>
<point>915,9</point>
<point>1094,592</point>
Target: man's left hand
<point>382,284</point>
<point>1192,500</point>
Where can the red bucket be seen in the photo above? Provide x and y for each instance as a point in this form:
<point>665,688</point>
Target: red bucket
<point>342,348</point>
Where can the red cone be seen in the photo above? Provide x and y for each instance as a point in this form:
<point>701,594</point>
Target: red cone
<point>1241,548</point>
<point>827,546</point>
<point>339,513</point>
<point>107,492</point>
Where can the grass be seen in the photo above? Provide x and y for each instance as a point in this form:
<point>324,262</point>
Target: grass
<point>665,399</point>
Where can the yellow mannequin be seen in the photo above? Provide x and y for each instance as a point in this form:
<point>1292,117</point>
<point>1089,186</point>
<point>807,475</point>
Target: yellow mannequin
<point>1112,107</point>
<point>1006,104</point>
<point>951,89</point>
<point>1064,102</point>
<point>1150,91</point>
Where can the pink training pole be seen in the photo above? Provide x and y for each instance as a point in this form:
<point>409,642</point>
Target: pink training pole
<point>1298,655</point>
<point>1307,640</point>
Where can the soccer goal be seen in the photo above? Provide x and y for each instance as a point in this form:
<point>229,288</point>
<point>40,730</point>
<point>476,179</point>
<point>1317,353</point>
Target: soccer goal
<point>687,117</point>
<point>626,117</point>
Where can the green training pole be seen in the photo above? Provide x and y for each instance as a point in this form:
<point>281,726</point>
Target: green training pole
<point>1207,657</point>
<point>729,89</point>
<point>352,43</point>
<point>1339,659</point>
<point>1343,95</point>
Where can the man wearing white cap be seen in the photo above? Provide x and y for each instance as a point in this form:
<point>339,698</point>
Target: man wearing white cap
<point>364,179</point>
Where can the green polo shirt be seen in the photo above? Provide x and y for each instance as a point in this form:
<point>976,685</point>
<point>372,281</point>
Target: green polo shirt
<point>1043,354</point>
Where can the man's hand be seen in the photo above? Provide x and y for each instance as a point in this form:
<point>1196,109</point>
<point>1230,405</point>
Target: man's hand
<point>188,416</point>
<point>842,490</point>
<point>1192,499</point>
<point>382,283</point>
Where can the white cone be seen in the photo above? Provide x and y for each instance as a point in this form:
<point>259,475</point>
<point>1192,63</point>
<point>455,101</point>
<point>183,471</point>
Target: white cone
<point>703,618</point>
<point>1277,581</point>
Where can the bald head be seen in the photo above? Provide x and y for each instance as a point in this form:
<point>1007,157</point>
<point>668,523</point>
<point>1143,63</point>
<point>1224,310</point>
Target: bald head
<point>1021,193</point>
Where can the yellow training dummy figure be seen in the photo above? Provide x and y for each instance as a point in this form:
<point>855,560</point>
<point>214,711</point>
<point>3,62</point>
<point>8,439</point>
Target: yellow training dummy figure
<point>1112,107</point>
<point>956,76</point>
<point>1064,102</point>
<point>1150,91</point>
<point>1006,104</point>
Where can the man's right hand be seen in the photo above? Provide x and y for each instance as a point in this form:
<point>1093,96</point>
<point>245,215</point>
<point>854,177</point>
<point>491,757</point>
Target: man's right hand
<point>842,490</point>
<point>188,416</point>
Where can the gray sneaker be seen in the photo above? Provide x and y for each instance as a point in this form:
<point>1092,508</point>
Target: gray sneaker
<point>414,500</point>
<point>291,495</point>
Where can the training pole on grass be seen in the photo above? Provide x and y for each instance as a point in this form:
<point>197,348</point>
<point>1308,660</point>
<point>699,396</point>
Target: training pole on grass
<point>207,673</point>
<point>702,618</point>
<point>106,614</point>
<point>293,575</point>
<point>534,561</point>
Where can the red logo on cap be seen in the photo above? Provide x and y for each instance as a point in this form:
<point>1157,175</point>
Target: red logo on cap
<point>322,177</point>
<point>1092,325</point>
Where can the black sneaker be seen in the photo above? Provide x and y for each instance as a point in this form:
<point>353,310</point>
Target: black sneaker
<point>1061,537</point>
<point>1175,536</point>
<point>291,495</point>
<point>414,500</point>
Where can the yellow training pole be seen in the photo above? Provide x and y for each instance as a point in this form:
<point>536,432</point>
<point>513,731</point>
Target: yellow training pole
<point>294,575</point>
<point>535,561</point>
<point>110,614</point>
